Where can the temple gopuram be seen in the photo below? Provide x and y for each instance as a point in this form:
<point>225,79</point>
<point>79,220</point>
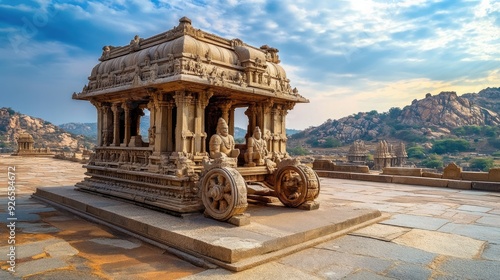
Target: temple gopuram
<point>191,82</point>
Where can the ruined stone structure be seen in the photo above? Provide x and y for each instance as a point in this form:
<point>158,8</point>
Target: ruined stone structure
<point>26,147</point>
<point>386,155</point>
<point>357,152</point>
<point>400,155</point>
<point>189,80</point>
<point>383,156</point>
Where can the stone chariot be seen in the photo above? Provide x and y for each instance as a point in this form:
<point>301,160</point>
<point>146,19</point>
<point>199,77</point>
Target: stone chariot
<point>191,82</point>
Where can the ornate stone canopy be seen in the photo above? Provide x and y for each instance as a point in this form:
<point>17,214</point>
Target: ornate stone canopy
<point>185,55</point>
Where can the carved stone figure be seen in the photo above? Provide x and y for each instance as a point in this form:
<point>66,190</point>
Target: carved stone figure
<point>152,135</point>
<point>256,149</point>
<point>221,143</point>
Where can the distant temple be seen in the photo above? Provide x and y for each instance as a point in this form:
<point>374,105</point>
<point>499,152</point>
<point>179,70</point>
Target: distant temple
<point>388,156</point>
<point>357,152</point>
<point>26,147</point>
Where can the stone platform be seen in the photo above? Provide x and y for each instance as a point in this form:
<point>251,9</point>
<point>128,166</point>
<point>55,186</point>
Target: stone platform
<point>274,231</point>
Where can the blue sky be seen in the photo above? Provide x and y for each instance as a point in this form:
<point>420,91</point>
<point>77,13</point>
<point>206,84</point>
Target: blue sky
<point>344,56</point>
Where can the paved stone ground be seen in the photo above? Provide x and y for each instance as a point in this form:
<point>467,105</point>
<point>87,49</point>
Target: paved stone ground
<point>430,233</point>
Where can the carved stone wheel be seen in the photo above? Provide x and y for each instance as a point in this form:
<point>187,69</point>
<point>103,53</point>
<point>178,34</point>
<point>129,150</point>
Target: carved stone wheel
<point>296,184</point>
<point>224,193</point>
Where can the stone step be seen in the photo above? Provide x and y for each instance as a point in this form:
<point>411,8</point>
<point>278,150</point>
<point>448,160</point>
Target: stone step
<point>274,230</point>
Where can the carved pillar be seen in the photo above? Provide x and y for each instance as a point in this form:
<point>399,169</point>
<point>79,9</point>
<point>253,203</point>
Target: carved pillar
<point>107,124</point>
<point>98,106</point>
<point>126,109</point>
<point>152,119</point>
<point>161,123</point>
<point>170,125</point>
<point>252,119</point>
<point>116,124</point>
<point>182,101</point>
<point>200,134</point>
<point>225,107</point>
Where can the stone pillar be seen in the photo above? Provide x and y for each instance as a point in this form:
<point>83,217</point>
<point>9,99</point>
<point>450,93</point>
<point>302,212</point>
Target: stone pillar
<point>152,119</point>
<point>225,107</point>
<point>107,124</point>
<point>162,119</point>
<point>116,124</point>
<point>100,120</point>
<point>126,109</point>
<point>200,134</point>
<point>182,101</point>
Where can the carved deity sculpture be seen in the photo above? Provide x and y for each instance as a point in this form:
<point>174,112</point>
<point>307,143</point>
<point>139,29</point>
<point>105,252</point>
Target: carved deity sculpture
<point>257,151</point>
<point>152,135</point>
<point>222,144</point>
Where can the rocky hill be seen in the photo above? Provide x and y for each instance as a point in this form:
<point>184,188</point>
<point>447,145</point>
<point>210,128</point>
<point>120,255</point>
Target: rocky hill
<point>428,118</point>
<point>44,133</point>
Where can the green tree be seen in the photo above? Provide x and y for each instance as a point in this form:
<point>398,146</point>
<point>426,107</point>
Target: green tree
<point>416,152</point>
<point>450,146</point>
<point>483,164</point>
<point>331,142</point>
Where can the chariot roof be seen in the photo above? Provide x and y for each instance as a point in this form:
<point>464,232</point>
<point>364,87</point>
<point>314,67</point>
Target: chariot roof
<point>185,57</point>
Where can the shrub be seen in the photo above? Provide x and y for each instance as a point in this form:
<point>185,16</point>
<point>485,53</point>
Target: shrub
<point>416,152</point>
<point>494,142</point>
<point>298,151</point>
<point>483,164</point>
<point>450,146</point>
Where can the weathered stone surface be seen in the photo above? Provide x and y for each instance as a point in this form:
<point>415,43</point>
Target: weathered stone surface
<point>351,168</point>
<point>234,248</point>
<point>412,221</point>
<point>438,243</point>
<point>430,182</point>
<point>452,171</point>
<point>323,164</point>
<point>494,175</point>
<point>379,249</point>
<point>474,176</point>
<point>479,232</point>
<point>37,266</point>
<point>459,184</point>
<point>486,186</point>
<point>432,175</point>
<point>372,177</point>
<point>470,269</point>
<point>492,252</point>
<point>409,271</point>
<point>382,232</point>
<point>403,171</point>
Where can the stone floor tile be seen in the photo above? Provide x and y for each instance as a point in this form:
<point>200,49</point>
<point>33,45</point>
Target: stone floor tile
<point>381,231</point>
<point>379,249</point>
<point>490,221</point>
<point>122,243</point>
<point>313,260</point>
<point>38,266</point>
<point>413,221</point>
<point>492,252</point>
<point>36,227</point>
<point>64,275</point>
<point>365,275</point>
<point>29,249</point>
<point>473,208</point>
<point>485,233</point>
<point>471,269</point>
<point>409,272</point>
<point>60,249</point>
<point>439,243</point>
